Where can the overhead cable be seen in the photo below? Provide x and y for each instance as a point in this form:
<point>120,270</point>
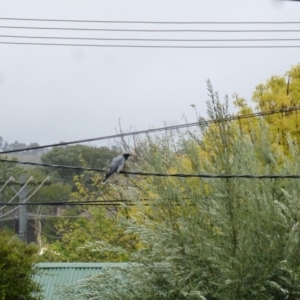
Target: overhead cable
<point>149,30</point>
<point>41,217</point>
<point>58,203</point>
<point>153,46</point>
<point>179,175</point>
<point>45,234</point>
<point>30,178</point>
<point>150,22</point>
<point>149,40</point>
<point>47,178</point>
<point>6,183</point>
<point>166,128</point>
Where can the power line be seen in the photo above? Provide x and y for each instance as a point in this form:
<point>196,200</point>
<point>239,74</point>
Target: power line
<point>41,217</point>
<point>174,127</point>
<point>80,202</point>
<point>47,178</point>
<point>58,216</point>
<point>23,187</point>
<point>60,203</point>
<point>12,239</point>
<point>150,30</point>
<point>153,46</point>
<point>180,175</point>
<point>148,40</point>
<point>90,203</point>
<point>6,183</point>
<point>45,234</point>
<point>150,22</point>
<point>53,165</point>
<point>47,226</point>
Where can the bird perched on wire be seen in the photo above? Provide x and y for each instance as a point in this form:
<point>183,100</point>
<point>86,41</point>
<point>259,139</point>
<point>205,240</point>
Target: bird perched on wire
<point>116,165</point>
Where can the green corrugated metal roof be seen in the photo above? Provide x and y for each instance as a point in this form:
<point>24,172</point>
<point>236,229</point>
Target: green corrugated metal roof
<point>53,274</point>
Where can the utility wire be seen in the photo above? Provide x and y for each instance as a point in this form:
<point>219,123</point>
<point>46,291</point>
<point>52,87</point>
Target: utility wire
<point>148,40</point>
<point>90,202</point>
<point>180,175</point>
<point>5,184</point>
<point>58,216</point>
<point>150,22</point>
<point>31,178</point>
<point>45,234</point>
<point>174,127</point>
<point>149,30</point>
<point>54,166</point>
<point>86,201</point>
<point>43,217</point>
<point>47,226</point>
<point>12,239</point>
<point>47,178</point>
<point>119,203</point>
<point>153,46</point>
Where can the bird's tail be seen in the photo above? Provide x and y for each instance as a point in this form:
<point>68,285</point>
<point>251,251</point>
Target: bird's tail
<point>103,181</point>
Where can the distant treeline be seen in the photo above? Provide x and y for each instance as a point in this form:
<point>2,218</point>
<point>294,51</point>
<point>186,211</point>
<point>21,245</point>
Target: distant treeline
<point>5,146</point>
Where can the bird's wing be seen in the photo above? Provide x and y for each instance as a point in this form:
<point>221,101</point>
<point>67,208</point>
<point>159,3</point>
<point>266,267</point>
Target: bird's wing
<point>111,170</point>
<point>116,166</point>
<point>117,160</point>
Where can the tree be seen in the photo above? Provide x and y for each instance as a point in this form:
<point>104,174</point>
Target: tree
<point>17,270</point>
<point>80,228</point>
<point>77,155</point>
<point>205,238</point>
<point>8,170</point>
<point>95,227</point>
<point>278,92</point>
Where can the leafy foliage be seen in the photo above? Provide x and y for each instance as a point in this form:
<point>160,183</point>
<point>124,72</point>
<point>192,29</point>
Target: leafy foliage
<point>88,237</point>
<point>77,155</point>
<point>5,146</point>
<point>85,233</point>
<point>211,238</point>
<point>16,269</point>
<point>281,92</point>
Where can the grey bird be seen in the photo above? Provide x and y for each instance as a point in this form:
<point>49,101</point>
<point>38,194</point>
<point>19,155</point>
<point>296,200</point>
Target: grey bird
<point>116,166</point>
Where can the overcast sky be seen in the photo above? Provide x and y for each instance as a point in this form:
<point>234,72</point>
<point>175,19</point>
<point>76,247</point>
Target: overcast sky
<point>50,94</point>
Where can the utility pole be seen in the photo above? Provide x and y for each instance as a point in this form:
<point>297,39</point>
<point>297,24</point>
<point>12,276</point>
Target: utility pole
<point>22,211</point>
